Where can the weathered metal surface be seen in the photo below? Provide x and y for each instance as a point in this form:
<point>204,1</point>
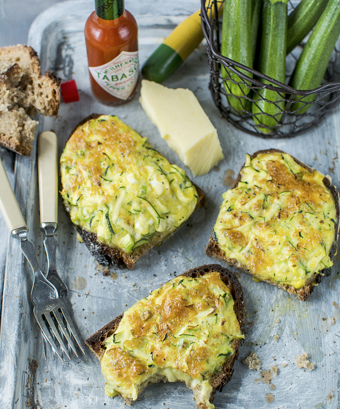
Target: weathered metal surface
<point>28,380</point>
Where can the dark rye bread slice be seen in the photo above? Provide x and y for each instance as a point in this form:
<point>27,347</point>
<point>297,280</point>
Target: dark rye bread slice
<point>106,255</point>
<point>96,342</point>
<point>213,249</point>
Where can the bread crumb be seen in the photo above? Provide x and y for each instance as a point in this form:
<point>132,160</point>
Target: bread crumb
<point>272,387</point>
<point>275,369</point>
<point>277,321</point>
<point>270,397</point>
<point>330,396</point>
<point>284,365</point>
<point>252,361</point>
<point>276,337</point>
<point>335,304</point>
<point>302,361</point>
<point>266,377</point>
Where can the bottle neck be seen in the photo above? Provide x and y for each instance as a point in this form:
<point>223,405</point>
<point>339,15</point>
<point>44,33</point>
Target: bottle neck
<point>109,9</point>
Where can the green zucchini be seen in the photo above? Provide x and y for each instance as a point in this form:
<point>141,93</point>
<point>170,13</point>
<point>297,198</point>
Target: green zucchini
<point>237,45</point>
<point>127,242</point>
<point>312,64</point>
<point>272,64</point>
<point>255,22</point>
<point>302,19</point>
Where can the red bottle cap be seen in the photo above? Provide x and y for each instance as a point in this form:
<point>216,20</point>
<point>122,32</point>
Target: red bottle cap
<point>69,91</point>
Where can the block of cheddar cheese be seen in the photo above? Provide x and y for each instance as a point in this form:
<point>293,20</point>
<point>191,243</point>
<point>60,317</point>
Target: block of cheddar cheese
<point>182,122</point>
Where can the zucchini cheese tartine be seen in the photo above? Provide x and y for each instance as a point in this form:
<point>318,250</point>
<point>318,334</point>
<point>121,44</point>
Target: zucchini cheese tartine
<point>121,194</point>
<point>278,223</point>
<point>189,330</point>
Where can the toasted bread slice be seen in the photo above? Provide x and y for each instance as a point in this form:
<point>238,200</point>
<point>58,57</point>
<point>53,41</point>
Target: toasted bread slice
<point>107,253</point>
<point>97,342</point>
<point>215,250</point>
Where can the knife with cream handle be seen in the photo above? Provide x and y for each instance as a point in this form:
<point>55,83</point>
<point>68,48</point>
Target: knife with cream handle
<point>48,203</point>
<point>8,203</point>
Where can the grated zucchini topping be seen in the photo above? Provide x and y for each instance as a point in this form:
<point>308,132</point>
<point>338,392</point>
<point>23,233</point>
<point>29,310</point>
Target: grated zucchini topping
<point>182,331</point>
<point>279,221</point>
<point>117,186</point>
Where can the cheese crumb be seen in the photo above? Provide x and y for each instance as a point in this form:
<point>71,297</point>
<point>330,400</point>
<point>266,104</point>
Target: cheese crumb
<point>275,369</point>
<point>302,361</point>
<point>284,365</point>
<point>276,337</point>
<point>252,361</point>
<point>182,122</point>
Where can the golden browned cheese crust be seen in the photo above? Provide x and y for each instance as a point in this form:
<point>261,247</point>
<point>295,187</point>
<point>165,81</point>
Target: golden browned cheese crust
<point>120,190</point>
<point>279,223</point>
<point>151,332</point>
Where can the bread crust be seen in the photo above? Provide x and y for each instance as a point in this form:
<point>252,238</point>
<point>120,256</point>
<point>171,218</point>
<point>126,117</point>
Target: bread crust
<point>96,342</point>
<point>24,49</point>
<point>22,150</point>
<point>55,82</point>
<point>106,255</point>
<point>23,87</point>
<point>213,249</point>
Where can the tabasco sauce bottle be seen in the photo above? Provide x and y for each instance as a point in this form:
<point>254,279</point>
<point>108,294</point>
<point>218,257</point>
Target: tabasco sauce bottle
<point>111,36</point>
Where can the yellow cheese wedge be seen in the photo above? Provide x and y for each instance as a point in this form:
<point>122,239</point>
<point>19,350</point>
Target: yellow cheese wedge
<point>182,122</point>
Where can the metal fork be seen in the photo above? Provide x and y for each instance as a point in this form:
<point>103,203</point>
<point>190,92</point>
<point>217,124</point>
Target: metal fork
<point>48,204</point>
<point>50,311</point>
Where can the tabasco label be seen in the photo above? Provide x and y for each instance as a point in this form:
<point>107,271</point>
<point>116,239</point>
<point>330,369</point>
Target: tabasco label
<point>119,76</point>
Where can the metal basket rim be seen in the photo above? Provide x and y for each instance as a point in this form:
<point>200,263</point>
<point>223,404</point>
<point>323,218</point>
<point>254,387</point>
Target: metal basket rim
<point>283,88</point>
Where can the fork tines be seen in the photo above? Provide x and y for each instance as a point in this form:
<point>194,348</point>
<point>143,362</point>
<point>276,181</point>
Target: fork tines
<point>56,324</point>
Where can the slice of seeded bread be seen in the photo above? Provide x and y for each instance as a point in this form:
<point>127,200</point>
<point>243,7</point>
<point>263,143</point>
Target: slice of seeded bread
<point>214,250</point>
<point>106,255</point>
<point>23,93</point>
<point>40,94</point>
<point>17,130</point>
<point>96,342</point>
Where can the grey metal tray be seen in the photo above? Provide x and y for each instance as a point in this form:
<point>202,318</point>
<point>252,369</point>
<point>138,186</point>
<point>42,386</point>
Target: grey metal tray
<point>28,380</point>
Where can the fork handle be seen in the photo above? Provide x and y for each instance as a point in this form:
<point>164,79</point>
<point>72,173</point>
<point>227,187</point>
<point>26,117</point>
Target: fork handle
<point>8,203</point>
<point>48,177</point>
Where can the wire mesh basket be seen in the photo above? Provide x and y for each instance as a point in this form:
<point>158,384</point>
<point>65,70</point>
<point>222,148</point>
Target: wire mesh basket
<point>289,118</point>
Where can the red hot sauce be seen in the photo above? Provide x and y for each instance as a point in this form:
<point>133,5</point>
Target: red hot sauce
<point>111,36</point>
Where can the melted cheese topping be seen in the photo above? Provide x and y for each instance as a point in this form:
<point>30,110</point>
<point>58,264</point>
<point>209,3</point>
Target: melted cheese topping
<point>279,222</point>
<point>120,188</point>
<point>182,331</point>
